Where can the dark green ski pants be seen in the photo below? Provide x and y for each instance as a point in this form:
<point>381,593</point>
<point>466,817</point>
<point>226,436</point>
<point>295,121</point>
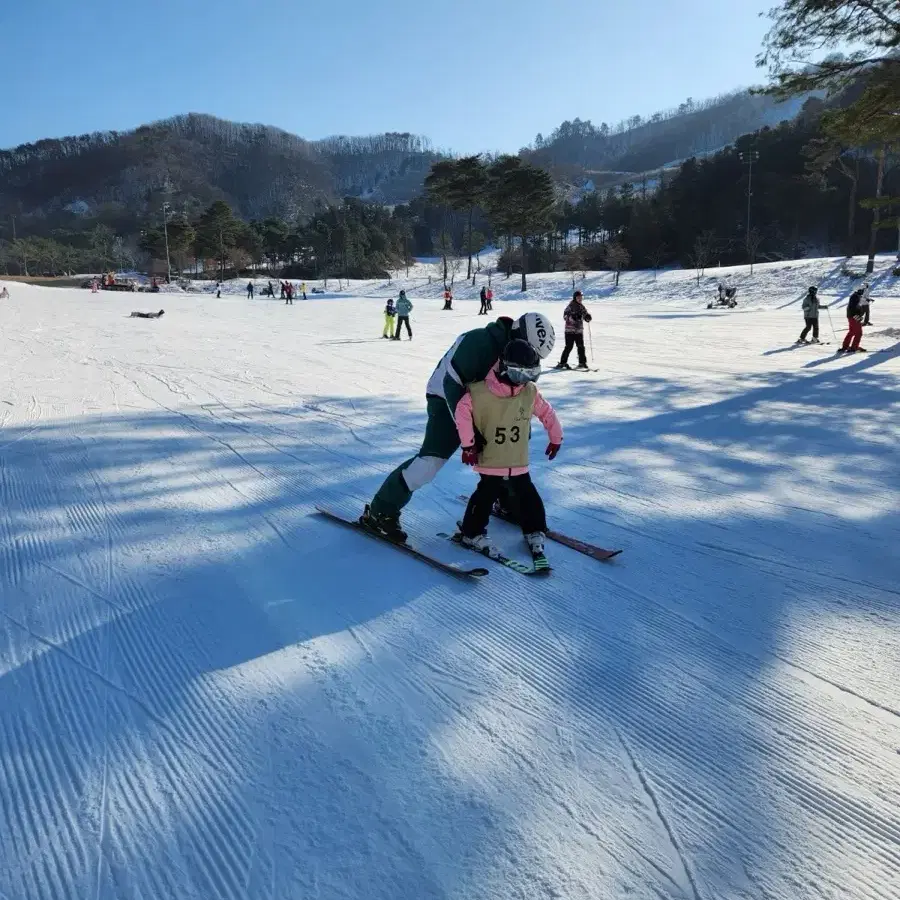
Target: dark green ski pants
<point>441,441</point>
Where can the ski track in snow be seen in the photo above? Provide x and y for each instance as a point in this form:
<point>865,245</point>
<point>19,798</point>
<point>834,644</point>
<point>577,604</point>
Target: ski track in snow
<point>210,692</point>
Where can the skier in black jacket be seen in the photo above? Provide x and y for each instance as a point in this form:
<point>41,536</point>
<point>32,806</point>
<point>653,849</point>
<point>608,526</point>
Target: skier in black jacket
<point>855,315</point>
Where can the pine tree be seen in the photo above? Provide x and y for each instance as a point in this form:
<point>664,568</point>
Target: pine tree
<point>521,201</point>
<point>439,191</point>
<point>467,192</point>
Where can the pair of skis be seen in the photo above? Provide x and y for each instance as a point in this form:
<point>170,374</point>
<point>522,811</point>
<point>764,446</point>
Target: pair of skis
<point>598,553</point>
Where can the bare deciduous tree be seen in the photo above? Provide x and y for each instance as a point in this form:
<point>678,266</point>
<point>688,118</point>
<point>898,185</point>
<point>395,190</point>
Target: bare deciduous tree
<point>702,252</point>
<point>616,257</point>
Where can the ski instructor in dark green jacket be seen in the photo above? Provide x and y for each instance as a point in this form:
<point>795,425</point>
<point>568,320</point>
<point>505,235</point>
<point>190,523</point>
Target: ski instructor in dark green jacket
<point>470,359</point>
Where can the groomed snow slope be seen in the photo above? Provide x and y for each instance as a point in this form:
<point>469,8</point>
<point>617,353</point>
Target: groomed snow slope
<point>208,692</point>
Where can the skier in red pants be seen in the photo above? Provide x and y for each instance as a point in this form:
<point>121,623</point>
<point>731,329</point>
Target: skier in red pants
<point>855,314</point>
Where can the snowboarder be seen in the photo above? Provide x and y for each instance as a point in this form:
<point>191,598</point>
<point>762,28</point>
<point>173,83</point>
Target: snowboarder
<point>811,307</point>
<point>249,290</point>
<point>855,315</point>
<point>483,298</point>
<point>493,421</point>
<point>575,315</point>
<point>469,360</point>
<point>404,308</point>
<point>389,312</point>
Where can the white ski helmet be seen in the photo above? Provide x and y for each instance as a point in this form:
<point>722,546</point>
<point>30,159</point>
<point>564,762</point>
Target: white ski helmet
<point>537,330</point>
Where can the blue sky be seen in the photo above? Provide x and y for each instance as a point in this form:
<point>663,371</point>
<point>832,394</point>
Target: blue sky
<point>487,76</point>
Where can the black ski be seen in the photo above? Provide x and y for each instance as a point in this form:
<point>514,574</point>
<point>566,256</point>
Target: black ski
<point>599,553</point>
<point>448,568</point>
<point>540,566</point>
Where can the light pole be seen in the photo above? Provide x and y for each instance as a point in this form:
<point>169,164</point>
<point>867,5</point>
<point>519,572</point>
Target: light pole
<point>166,230</point>
<point>749,157</point>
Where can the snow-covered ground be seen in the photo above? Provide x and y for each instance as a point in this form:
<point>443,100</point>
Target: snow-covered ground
<point>208,692</point>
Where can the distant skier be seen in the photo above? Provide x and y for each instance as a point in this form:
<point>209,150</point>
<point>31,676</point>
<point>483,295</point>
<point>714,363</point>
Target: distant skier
<point>490,300</point>
<point>288,293</point>
<point>283,291</point>
<point>218,290</point>
<point>389,312</point>
<point>493,420</point>
<point>811,307</point>
<point>404,308</point>
<point>470,359</point>
<point>483,297</point>
<point>855,315</point>
<point>867,301</point>
<point>249,290</point>
<point>448,299</point>
<point>303,289</point>
<point>575,315</point>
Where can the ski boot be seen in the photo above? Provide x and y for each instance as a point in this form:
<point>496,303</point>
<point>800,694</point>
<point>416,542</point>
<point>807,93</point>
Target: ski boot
<point>481,543</point>
<point>582,367</point>
<point>801,341</point>
<point>562,365</point>
<point>535,541</point>
<point>387,525</point>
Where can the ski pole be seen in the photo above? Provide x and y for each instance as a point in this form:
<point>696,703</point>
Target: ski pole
<point>831,322</point>
<point>591,342</point>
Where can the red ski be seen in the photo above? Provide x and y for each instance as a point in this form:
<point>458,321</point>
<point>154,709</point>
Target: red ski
<point>592,550</point>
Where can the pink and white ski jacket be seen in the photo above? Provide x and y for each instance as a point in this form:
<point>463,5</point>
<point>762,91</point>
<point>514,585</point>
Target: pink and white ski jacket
<point>466,426</point>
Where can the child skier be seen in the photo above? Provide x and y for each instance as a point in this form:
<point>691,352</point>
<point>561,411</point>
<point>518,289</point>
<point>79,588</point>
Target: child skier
<point>855,315</point>
<point>389,313</point>
<point>448,299</point>
<point>493,420</point>
<point>575,315</point>
<point>811,307</point>
<point>404,308</point>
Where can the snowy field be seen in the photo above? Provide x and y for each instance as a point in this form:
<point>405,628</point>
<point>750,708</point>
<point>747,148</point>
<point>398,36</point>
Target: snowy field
<point>208,692</point>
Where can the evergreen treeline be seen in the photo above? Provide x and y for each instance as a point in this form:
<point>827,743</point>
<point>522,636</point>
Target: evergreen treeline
<point>827,181</point>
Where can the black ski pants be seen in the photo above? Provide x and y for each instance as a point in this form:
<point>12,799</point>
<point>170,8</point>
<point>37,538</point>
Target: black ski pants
<point>518,488</point>
<point>483,310</point>
<point>814,325</point>
<point>574,339</point>
<point>401,321</point>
